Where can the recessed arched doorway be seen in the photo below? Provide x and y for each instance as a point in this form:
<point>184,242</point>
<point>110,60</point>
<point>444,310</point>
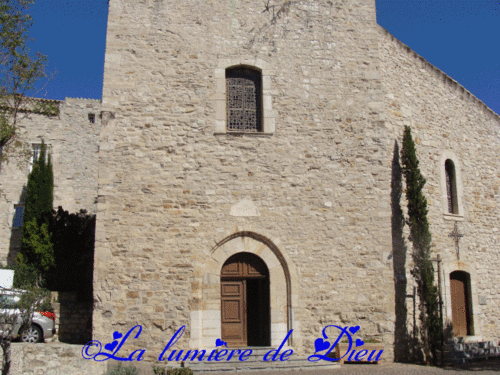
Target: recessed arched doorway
<point>245,307</point>
<point>461,304</point>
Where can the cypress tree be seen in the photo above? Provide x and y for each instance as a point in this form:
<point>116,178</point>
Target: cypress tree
<point>40,188</point>
<point>431,328</point>
<point>37,249</point>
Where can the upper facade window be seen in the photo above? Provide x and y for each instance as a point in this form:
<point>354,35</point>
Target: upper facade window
<point>243,100</point>
<point>243,97</point>
<point>451,187</point>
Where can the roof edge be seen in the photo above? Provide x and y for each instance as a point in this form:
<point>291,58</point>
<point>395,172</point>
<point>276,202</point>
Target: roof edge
<point>464,93</point>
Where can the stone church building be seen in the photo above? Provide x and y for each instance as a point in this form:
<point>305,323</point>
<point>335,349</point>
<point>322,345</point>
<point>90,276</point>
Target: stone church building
<point>245,164</point>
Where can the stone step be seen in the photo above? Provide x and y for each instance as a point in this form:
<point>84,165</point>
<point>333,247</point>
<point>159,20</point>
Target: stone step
<point>255,362</point>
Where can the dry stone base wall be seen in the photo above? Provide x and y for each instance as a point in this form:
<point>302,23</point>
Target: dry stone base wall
<point>52,359</point>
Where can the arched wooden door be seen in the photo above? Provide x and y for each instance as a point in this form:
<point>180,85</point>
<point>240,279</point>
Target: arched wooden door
<point>461,304</point>
<point>245,312</point>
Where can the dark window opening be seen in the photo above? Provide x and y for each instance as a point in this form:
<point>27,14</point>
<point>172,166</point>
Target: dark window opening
<point>91,118</point>
<point>244,100</point>
<point>451,187</point>
<point>17,223</point>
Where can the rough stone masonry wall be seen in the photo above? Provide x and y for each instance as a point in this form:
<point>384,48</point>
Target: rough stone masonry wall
<point>73,145</point>
<point>166,183</point>
<point>52,359</point>
<point>449,122</point>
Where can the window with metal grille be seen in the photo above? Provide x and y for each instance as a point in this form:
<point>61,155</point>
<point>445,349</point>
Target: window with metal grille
<point>243,100</point>
<point>451,187</point>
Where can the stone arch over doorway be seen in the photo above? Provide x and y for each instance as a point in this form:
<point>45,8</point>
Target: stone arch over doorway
<point>283,290</point>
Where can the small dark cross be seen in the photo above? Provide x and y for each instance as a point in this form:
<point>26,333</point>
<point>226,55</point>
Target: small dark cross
<point>456,235</point>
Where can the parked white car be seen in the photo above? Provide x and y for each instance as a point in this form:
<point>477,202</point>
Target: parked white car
<point>42,324</point>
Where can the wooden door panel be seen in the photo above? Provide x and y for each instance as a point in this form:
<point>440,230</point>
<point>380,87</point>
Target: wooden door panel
<point>245,279</point>
<point>231,288</point>
<point>241,265</point>
<point>233,269</point>
<point>233,306</point>
<point>458,307</point>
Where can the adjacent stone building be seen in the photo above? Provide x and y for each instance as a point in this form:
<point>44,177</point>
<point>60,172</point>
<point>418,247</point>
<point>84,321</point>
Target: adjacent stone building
<point>245,165</point>
<point>72,138</point>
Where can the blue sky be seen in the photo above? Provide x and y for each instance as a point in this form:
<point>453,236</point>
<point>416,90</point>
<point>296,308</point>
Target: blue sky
<point>460,37</point>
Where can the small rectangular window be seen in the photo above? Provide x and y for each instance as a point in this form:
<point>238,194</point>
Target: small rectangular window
<point>92,118</point>
<point>17,223</point>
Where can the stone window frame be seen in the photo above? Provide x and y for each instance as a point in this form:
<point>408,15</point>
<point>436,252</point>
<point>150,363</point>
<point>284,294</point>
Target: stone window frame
<point>268,114</point>
<point>459,216</point>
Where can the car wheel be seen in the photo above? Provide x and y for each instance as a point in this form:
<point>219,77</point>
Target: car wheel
<point>31,334</point>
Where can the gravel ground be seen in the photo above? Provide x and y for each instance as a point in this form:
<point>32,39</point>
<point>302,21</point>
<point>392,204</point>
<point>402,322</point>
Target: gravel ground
<point>491,367</point>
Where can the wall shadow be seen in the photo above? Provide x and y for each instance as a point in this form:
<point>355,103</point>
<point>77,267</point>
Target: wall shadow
<point>74,318</point>
<point>73,235</point>
<point>16,231</point>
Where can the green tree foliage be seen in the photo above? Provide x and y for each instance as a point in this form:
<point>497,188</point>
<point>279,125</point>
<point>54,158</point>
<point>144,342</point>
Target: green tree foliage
<point>30,300</point>
<point>37,248</point>
<point>40,187</point>
<point>120,369</point>
<point>20,70</point>
<point>25,276</point>
<point>431,328</point>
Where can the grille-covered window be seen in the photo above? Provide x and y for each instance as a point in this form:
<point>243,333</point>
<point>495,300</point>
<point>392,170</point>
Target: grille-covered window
<point>243,100</point>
